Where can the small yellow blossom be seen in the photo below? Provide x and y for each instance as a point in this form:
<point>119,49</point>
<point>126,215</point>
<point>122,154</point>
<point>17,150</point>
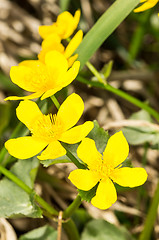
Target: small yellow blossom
<point>43,79</point>
<point>64,26</point>
<point>147,4</point>
<point>53,42</point>
<point>48,130</point>
<point>105,170</point>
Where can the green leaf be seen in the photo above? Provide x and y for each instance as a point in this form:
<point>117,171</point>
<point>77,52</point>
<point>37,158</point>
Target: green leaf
<point>26,170</point>
<point>103,28</point>
<point>42,233</point>
<point>102,230</point>
<point>13,200</point>
<point>88,195</point>
<point>99,136</point>
<point>140,135</point>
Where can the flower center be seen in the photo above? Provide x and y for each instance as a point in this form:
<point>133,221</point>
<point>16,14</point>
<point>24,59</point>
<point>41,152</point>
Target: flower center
<point>47,128</point>
<point>104,170</point>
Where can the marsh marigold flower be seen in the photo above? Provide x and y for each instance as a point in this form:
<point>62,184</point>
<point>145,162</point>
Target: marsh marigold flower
<point>147,4</point>
<point>105,170</point>
<point>43,79</point>
<point>64,26</point>
<point>53,42</point>
<point>48,130</point>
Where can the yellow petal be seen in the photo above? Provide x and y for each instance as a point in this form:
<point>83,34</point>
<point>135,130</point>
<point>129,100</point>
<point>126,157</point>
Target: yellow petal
<point>30,75</point>
<point>57,66</point>
<point>31,96</point>
<point>77,18</point>
<point>117,150</point>
<point>73,44</point>
<point>21,75</point>
<point>88,152</point>
<point>27,112</point>
<point>66,23</point>
<point>51,40</point>
<point>77,134</point>
<point>71,60</point>
<point>51,43</point>
<point>129,177</point>
<point>56,62</point>
<point>83,179</point>
<point>63,81</point>
<point>70,111</point>
<point>147,5</point>
<point>105,195</point>
<point>53,150</point>
<point>70,75</point>
<point>64,26</point>
<point>45,31</point>
<point>24,147</point>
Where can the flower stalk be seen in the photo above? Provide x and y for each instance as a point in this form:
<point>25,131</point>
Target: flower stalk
<point>151,216</point>
<point>72,207</point>
<point>121,94</point>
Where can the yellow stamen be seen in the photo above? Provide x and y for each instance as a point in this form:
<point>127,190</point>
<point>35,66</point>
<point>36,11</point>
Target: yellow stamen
<point>46,128</point>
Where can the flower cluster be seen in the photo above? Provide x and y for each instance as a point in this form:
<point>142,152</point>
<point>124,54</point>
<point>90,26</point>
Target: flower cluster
<point>48,130</point>
<point>105,169</point>
<point>56,68</point>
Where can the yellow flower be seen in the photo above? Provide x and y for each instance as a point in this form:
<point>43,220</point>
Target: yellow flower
<point>48,130</point>
<point>53,42</point>
<point>105,169</point>
<point>64,26</point>
<point>147,5</point>
<point>43,79</point>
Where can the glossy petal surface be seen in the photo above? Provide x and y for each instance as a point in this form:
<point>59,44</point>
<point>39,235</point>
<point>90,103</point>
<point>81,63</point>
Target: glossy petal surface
<point>53,150</point>
<point>147,5</point>
<point>57,65</point>
<point>129,177</point>
<point>105,195</point>
<point>83,179</point>
<point>29,78</point>
<point>27,112</point>
<point>73,44</point>
<point>70,111</point>
<point>31,96</point>
<point>77,134</point>
<point>24,147</point>
<point>88,152</point>
<point>117,150</point>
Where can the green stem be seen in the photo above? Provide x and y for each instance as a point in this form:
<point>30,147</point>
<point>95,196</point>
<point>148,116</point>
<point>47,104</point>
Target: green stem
<point>64,4</point>
<point>151,216</point>
<point>122,94</point>
<point>71,230</point>
<point>103,28</point>
<point>72,207</point>
<point>72,157</point>
<point>95,72</point>
<point>28,190</point>
<point>55,101</point>
<point>45,205</point>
